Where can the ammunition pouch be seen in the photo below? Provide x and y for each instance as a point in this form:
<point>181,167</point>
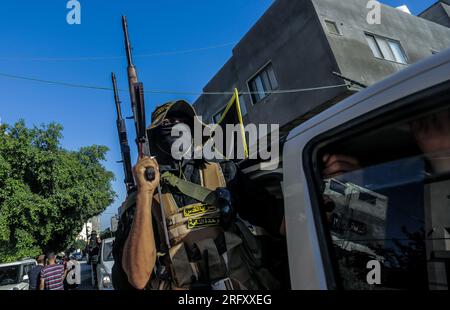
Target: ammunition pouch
<point>213,269</point>
<point>218,200</point>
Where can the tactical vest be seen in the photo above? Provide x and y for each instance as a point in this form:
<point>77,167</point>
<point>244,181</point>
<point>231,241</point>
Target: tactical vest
<point>239,267</point>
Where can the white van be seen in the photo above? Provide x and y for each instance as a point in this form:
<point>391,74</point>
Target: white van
<point>385,223</point>
<point>14,276</point>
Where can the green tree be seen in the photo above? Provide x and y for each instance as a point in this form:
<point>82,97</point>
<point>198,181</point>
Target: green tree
<point>47,192</point>
<point>77,244</point>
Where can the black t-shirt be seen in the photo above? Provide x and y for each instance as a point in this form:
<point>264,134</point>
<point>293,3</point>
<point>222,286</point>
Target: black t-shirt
<point>95,250</point>
<point>251,202</point>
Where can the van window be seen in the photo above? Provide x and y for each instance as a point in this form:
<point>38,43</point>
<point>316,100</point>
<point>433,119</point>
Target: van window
<point>385,201</point>
<point>107,252</point>
<point>9,275</point>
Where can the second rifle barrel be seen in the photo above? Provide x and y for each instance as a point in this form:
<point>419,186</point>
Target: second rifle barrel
<point>116,96</point>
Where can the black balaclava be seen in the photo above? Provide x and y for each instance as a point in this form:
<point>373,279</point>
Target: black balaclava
<point>161,141</point>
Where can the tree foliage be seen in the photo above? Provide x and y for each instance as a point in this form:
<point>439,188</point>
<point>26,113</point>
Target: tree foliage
<point>47,192</point>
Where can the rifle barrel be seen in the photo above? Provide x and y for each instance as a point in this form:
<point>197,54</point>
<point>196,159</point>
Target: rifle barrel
<point>132,74</point>
<point>116,97</point>
<point>127,41</point>
<point>123,140</point>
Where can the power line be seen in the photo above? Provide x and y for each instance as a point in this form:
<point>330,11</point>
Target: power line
<point>167,92</point>
<point>165,53</point>
<point>19,77</point>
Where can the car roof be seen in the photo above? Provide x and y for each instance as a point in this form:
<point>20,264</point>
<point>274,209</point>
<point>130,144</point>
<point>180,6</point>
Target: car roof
<point>391,82</point>
<point>22,262</point>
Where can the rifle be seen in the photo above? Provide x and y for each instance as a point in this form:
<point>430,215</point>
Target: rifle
<point>123,139</point>
<point>138,107</point>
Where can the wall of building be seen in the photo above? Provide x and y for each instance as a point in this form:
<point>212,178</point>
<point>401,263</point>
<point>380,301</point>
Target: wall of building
<point>224,81</point>
<point>87,229</point>
<point>93,224</point>
<point>418,37</point>
<point>292,36</point>
<point>95,220</point>
<point>438,13</point>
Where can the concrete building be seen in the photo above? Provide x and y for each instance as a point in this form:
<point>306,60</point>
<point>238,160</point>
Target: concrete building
<point>114,223</point>
<point>93,224</point>
<point>438,13</point>
<point>299,44</point>
<point>85,231</point>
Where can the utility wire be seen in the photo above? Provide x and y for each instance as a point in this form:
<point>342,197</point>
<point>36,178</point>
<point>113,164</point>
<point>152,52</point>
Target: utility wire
<point>19,77</point>
<point>166,53</point>
<point>168,92</point>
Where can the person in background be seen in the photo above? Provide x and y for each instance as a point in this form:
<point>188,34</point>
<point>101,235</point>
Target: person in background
<point>432,135</point>
<point>34,275</point>
<point>73,277</point>
<point>95,252</point>
<point>52,275</point>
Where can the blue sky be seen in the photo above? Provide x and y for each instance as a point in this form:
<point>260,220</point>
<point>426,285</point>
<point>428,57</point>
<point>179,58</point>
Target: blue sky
<point>32,31</point>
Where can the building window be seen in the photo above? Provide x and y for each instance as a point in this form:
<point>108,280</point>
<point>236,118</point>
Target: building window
<point>263,83</point>
<point>332,27</point>
<point>385,48</point>
<point>243,105</point>
<point>218,115</point>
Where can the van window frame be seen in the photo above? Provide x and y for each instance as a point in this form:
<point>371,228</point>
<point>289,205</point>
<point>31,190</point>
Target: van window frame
<point>395,111</point>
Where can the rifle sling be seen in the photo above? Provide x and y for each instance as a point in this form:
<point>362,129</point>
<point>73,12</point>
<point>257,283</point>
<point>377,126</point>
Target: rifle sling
<point>198,192</point>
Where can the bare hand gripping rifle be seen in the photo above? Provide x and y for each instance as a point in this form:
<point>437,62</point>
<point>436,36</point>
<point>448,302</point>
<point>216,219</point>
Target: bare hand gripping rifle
<point>138,108</point>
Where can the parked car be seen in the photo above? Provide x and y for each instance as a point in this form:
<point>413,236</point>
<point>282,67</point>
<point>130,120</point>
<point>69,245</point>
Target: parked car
<point>14,276</point>
<point>78,256</point>
<point>104,266</point>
